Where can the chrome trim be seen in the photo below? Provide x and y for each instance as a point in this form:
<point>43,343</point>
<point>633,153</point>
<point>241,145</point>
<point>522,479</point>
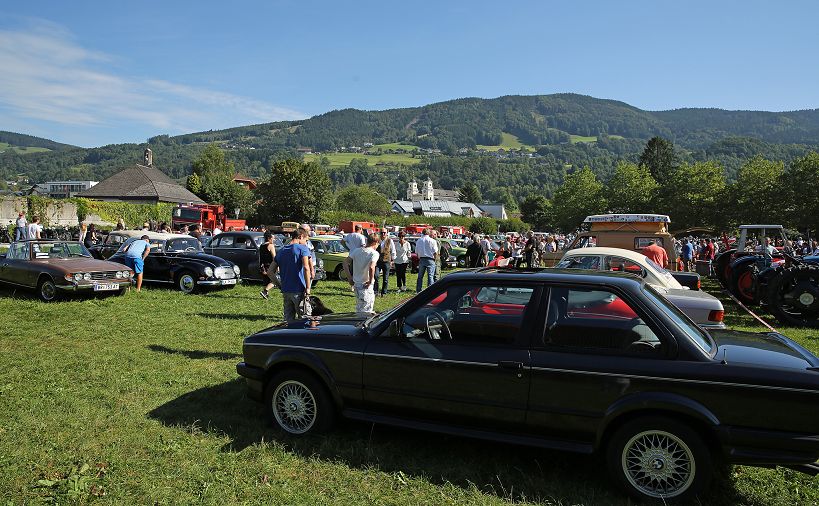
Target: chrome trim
<point>429,359</point>
<point>310,348</point>
<point>678,380</point>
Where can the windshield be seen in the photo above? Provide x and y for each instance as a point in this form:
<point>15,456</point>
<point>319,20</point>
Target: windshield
<point>380,318</point>
<point>684,323</point>
<point>335,247</point>
<point>60,250</point>
<point>663,274</point>
<point>183,244</point>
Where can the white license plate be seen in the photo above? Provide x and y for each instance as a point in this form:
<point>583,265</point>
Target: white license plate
<point>228,281</point>
<point>101,287</point>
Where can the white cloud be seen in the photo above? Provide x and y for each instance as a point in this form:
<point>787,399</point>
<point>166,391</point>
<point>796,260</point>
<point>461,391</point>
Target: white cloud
<point>45,74</point>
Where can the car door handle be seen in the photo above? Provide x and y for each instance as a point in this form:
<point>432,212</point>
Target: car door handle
<point>510,364</point>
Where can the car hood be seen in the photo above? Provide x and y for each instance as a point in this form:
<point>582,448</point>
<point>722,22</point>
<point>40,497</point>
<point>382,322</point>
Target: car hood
<point>769,349</point>
<point>338,324</point>
<point>80,264</point>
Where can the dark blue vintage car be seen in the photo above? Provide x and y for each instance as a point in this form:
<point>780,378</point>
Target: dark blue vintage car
<point>585,362</point>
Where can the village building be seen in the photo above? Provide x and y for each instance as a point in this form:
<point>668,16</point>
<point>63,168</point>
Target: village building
<point>428,192</point>
<point>141,184</point>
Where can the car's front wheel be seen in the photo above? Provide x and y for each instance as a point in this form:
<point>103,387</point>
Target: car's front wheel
<point>47,290</point>
<point>186,282</point>
<point>298,403</point>
<point>657,458</point>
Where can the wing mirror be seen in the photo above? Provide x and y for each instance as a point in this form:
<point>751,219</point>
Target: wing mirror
<point>394,330</point>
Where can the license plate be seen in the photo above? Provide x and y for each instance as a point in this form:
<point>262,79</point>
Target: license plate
<point>101,287</point>
<point>228,281</point>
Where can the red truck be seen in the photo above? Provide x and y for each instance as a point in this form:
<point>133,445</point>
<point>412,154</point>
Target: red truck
<point>417,228</point>
<point>207,216</point>
<point>348,226</point>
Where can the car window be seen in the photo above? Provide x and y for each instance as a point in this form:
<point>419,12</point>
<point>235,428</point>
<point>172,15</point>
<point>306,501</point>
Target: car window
<point>589,320</point>
<point>60,250</point>
<point>620,264</point>
<point>580,262</point>
<point>690,328</point>
<point>114,239</point>
<point>335,246</point>
<point>589,241</point>
<point>642,242</point>
<point>18,251</point>
<point>223,242</point>
<point>184,244</point>
<point>471,314</point>
<point>240,241</point>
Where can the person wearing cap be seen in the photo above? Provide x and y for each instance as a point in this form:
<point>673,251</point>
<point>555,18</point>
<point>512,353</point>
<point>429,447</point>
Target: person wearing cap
<point>20,233</point>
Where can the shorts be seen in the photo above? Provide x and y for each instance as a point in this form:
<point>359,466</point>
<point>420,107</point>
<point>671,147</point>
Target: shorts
<point>137,264</point>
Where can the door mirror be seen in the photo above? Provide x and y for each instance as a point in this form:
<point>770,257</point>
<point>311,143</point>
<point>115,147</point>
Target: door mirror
<point>465,302</point>
<point>394,330</point>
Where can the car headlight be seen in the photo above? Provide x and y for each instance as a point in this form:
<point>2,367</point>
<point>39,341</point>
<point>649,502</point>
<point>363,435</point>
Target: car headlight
<point>87,276</point>
<point>320,263</point>
<point>126,274</point>
<point>236,270</point>
<point>78,276</point>
<point>119,274</point>
<point>208,272</point>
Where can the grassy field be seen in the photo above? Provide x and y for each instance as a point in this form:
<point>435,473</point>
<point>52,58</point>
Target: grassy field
<point>574,139</point>
<point>21,149</point>
<point>135,400</point>
<point>395,145</point>
<point>341,159</point>
<point>508,141</point>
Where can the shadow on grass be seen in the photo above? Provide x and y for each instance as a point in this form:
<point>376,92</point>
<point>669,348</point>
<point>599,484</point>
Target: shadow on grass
<point>236,316</point>
<point>194,354</point>
<point>509,472</point>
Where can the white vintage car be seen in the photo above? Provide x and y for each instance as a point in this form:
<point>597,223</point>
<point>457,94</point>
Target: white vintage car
<point>705,309</point>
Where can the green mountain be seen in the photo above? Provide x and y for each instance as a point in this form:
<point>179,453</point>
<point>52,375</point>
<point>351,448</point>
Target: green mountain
<point>562,130</point>
<point>25,144</point>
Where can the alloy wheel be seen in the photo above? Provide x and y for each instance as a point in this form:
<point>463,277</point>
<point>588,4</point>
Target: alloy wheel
<point>294,407</point>
<point>658,464</point>
<point>47,290</point>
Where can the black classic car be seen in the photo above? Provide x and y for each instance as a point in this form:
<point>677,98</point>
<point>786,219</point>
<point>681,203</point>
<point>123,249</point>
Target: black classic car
<point>242,248</point>
<point>57,268</point>
<point>179,260</point>
<point>585,362</point>
<point>110,243</point>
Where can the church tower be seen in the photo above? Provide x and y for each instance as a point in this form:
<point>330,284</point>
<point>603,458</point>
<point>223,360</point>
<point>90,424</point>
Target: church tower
<point>429,192</point>
<point>412,190</point>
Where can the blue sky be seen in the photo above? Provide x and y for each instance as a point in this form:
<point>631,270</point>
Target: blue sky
<point>94,73</point>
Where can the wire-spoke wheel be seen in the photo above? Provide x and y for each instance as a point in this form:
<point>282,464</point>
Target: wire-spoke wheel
<point>657,458</point>
<point>298,403</point>
<point>659,464</point>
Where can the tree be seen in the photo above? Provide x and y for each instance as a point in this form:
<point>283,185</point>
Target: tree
<point>800,189</point>
<point>502,195</point>
<point>756,194</point>
<point>581,195</point>
<point>631,189</point>
<point>296,191</point>
<point>536,210</point>
<point>212,180</point>
<point>362,199</point>
<point>693,195</point>
<point>513,225</point>
<point>469,193</point>
<point>660,158</point>
<point>483,225</point>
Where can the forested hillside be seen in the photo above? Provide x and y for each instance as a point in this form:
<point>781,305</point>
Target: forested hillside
<point>560,133</point>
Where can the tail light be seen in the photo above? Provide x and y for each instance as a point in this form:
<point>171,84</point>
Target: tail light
<point>716,315</point>
<point>699,286</point>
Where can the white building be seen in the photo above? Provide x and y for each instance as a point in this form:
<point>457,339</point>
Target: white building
<point>64,189</point>
<point>430,193</point>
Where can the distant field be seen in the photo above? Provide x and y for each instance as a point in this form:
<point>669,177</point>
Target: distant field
<point>508,141</point>
<point>574,139</point>
<point>342,159</point>
<point>22,150</point>
<point>395,145</point>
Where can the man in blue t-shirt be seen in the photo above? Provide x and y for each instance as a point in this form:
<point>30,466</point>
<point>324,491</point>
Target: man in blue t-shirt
<point>135,258</point>
<point>293,265</point>
<point>688,255</point>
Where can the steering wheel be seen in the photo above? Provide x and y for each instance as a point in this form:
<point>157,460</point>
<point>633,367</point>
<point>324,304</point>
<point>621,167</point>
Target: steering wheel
<point>436,332</point>
<point>190,248</point>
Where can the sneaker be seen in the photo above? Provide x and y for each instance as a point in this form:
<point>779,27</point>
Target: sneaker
<point>263,293</point>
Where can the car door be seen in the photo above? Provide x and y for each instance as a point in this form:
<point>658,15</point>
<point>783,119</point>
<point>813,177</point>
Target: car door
<point>596,346</point>
<point>246,256</point>
<point>222,246</point>
<point>12,266</point>
<point>459,355</point>
<point>158,263</point>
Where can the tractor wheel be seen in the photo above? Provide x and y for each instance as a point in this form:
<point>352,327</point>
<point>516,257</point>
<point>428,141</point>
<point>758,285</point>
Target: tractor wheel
<point>743,284</point>
<point>723,269</point>
<point>793,296</point>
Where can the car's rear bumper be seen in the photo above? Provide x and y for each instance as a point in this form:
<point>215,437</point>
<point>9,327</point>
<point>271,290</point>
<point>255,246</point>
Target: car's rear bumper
<point>254,377</point>
<point>712,325</point>
<point>766,448</point>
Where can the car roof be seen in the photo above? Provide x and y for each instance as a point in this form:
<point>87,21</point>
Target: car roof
<point>598,250</point>
<point>326,237</point>
<point>246,232</point>
<point>160,236</point>
<point>547,275</point>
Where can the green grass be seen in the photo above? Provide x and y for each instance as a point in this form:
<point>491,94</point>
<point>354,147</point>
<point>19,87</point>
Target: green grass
<point>574,139</point>
<point>395,145</point>
<point>341,159</point>
<point>508,141</point>
<point>23,150</point>
<point>143,390</point>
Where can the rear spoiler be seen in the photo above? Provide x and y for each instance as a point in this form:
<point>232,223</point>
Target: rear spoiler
<point>689,279</point>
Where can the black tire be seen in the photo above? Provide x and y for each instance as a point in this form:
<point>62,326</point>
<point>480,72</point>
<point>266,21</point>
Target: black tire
<point>46,290</point>
<point>304,405</point>
<point>186,282</point>
<point>793,296</point>
<point>721,268</point>
<point>644,472</point>
<point>743,284</point>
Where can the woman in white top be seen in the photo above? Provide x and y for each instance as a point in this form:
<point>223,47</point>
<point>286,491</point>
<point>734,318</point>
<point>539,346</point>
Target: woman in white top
<point>402,258</point>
